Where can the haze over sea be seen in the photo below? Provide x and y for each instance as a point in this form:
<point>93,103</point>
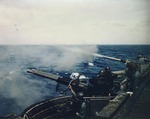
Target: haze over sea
<point>18,89</point>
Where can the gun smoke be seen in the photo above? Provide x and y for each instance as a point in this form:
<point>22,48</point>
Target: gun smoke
<point>18,89</point>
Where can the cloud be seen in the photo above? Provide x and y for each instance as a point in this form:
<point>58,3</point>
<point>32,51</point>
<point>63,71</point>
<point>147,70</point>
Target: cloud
<point>73,22</point>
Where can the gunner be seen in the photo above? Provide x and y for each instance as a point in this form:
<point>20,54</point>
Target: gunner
<point>133,75</point>
<point>78,85</point>
<point>103,83</point>
<point>108,85</point>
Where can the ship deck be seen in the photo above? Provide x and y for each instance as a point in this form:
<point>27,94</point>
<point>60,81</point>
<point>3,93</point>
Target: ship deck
<point>140,109</point>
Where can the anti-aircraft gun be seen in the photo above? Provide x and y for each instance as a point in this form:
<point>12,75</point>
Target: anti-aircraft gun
<point>63,80</point>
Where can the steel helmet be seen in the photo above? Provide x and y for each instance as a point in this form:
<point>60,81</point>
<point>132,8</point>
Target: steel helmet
<point>101,72</point>
<point>82,78</point>
<point>107,69</point>
<point>74,75</point>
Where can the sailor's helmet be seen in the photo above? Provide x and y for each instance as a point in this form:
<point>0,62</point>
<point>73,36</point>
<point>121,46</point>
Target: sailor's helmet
<point>101,72</point>
<point>74,75</point>
<point>82,78</point>
<point>107,69</point>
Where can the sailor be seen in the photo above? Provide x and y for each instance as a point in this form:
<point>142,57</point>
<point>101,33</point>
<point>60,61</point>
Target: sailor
<point>94,87</point>
<point>82,110</point>
<point>108,84</point>
<point>78,85</point>
<point>100,77</point>
<point>132,74</point>
<point>103,83</point>
<point>143,59</point>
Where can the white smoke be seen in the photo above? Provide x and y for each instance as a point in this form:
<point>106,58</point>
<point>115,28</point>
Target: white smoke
<point>72,56</point>
<point>17,85</point>
<point>62,57</point>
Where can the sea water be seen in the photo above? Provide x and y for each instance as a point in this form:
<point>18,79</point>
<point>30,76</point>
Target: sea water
<point>19,89</point>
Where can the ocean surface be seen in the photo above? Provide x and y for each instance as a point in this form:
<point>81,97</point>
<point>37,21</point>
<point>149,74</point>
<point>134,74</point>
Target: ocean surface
<point>19,89</point>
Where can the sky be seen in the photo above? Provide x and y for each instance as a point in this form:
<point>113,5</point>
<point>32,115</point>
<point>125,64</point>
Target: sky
<point>70,22</point>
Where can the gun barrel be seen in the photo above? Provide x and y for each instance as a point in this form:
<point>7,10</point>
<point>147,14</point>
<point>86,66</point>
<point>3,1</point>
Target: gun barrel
<point>50,76</point>
<point>111,58</point>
